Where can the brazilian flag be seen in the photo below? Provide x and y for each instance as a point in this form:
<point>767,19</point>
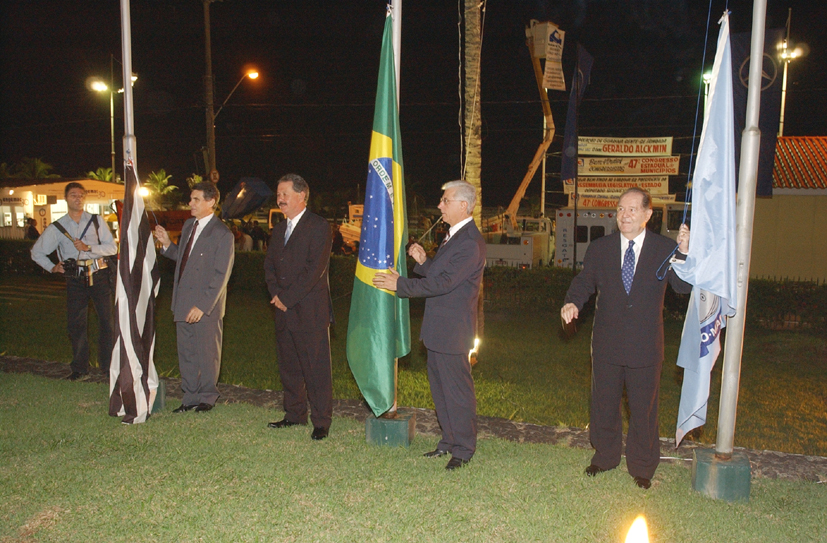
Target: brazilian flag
<point>379,329</point>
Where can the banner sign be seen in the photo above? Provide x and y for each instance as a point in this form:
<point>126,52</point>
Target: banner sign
<point>667,165</point>
<point>553,74</point>
<point>625,146</point>
<point>616,185</point>
<point>610,201</point>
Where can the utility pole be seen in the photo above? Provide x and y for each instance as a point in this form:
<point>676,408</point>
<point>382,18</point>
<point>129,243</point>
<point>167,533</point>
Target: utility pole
<point>208,92</point>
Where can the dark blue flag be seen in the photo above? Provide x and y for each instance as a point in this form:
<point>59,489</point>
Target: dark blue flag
<point>771,75</point>
<point>568,169</point>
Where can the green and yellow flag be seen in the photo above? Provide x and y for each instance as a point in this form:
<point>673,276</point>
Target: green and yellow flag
<point>379,327</point>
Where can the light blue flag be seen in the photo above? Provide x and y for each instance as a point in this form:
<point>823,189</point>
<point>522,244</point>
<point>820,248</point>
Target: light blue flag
<point>711,262</point>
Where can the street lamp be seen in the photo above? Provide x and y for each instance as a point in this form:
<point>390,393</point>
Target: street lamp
<point>707,80</point>
<point>252,74</point>
<point>98,85</point>
<point>787,55</point>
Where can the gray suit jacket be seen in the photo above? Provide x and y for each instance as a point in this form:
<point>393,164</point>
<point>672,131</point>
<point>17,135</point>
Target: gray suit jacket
<point>204,281</point>
<point>451,283</point>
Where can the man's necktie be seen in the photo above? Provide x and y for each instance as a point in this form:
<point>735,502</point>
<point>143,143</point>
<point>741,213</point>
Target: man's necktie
<point>627,271</point>
<point>187,250</point>
<point>447,237</point>
<point>288,231</point>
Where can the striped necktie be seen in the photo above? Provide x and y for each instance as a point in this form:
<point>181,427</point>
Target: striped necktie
<point>288,231</point>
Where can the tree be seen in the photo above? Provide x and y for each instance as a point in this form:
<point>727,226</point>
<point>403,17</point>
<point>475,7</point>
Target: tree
<point>103,174</point>
<point>34,168</point>
<point>474,9</point>
<point>160,189</point>
<point>5,171</point>
<point>193,180</point>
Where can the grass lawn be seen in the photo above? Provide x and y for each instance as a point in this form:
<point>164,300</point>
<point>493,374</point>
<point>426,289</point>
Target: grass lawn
<point>527,370</point>
<point>70,473</point>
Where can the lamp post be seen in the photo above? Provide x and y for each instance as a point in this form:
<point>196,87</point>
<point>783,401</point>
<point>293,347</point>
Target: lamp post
<point>786,57</point>
<point>99,86</point>
<point>707,80</point>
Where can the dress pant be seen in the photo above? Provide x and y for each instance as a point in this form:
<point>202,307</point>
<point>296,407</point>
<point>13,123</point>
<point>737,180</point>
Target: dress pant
<point>606,424</point>
<point>199,359</point>
<point>452,388</point>
<point>306,375</point>
<point>78,294</point>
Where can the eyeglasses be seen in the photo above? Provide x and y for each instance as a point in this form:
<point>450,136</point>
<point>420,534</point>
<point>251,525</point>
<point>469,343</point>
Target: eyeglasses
<point>447,201</point>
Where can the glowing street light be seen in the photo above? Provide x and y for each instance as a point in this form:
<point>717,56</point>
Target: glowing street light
<point>252,74</point>
<point>707,80</point>
<point>98,85</point>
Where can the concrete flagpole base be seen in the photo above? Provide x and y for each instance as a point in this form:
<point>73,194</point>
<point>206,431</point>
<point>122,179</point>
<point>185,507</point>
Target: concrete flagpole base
<point>391,432</point>
<point>720,479</point>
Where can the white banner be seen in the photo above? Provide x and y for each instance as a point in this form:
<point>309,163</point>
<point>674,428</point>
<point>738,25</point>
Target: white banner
<point>553,74</point>
<point>667,165</point>
<point>624,146</point>
<point>616,185</point>
<point>610,200</point>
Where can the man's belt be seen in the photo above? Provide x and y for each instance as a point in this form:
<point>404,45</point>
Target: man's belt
<point>93,265</point>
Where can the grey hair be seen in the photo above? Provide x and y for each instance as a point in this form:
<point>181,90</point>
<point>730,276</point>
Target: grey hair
<point>298,182</point>
<point>465,192</point>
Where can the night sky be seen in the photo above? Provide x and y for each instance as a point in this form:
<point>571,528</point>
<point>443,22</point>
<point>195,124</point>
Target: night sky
<point>311,110</point>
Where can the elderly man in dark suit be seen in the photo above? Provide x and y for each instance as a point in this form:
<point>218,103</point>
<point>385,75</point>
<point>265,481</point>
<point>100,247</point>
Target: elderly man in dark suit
<point>451,285</point>
<point>199,296</point>
<point>296,269</point>
<point>627,338</point>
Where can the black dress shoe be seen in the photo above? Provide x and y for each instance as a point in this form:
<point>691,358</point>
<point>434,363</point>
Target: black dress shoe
<point>643,482</point>
<point>78,376</point>
<point>455,463</point>
<point>436,453</point>
<point>202,407</point>
<point>319,434</point>
<point>184,408</point>
<point>284,423</point>
<point>593,470</point>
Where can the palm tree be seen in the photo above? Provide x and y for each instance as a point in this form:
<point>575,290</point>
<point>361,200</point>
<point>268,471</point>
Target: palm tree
<point>193,180</point>
<point>158,184</point>
<point>473,119</point>
<point>34,168</point>
<point>101,174</point>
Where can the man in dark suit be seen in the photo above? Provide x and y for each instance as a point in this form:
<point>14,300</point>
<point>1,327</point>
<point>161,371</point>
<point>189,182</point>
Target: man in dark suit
<point>451,283</point>
<point>627,338</point>
<point>199,296</point>
<point>296,270</point>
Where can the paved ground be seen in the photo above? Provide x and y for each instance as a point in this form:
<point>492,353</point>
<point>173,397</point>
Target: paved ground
<point>771,464</point>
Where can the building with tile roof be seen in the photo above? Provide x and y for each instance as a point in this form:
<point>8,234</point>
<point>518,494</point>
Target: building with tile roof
<point>789,238</point>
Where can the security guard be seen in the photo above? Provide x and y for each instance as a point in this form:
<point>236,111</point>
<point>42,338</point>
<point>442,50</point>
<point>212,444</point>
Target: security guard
<point>82,245</point>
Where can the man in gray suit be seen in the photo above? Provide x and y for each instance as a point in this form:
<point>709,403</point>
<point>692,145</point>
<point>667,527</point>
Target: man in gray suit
<point>199,296</point>
<point>451,283</point>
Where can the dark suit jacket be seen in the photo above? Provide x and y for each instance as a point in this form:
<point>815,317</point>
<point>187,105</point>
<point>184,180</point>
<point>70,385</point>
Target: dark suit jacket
<point>204,281</point>
<point>451,284</point>
<point>297,274</point>
<point>628,328</point>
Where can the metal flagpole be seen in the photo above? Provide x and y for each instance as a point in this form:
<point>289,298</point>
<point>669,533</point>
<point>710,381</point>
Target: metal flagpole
<point>129,150</point>
<point>748,179</point>
<point>397,63</point>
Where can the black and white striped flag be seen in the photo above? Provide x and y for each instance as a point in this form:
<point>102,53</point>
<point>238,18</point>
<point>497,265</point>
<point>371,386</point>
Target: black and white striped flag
<point>133,380</point>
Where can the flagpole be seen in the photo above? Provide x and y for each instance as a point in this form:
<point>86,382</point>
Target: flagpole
<point>748,176</point>
<point>396,16</point>
<point>129,151</point>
